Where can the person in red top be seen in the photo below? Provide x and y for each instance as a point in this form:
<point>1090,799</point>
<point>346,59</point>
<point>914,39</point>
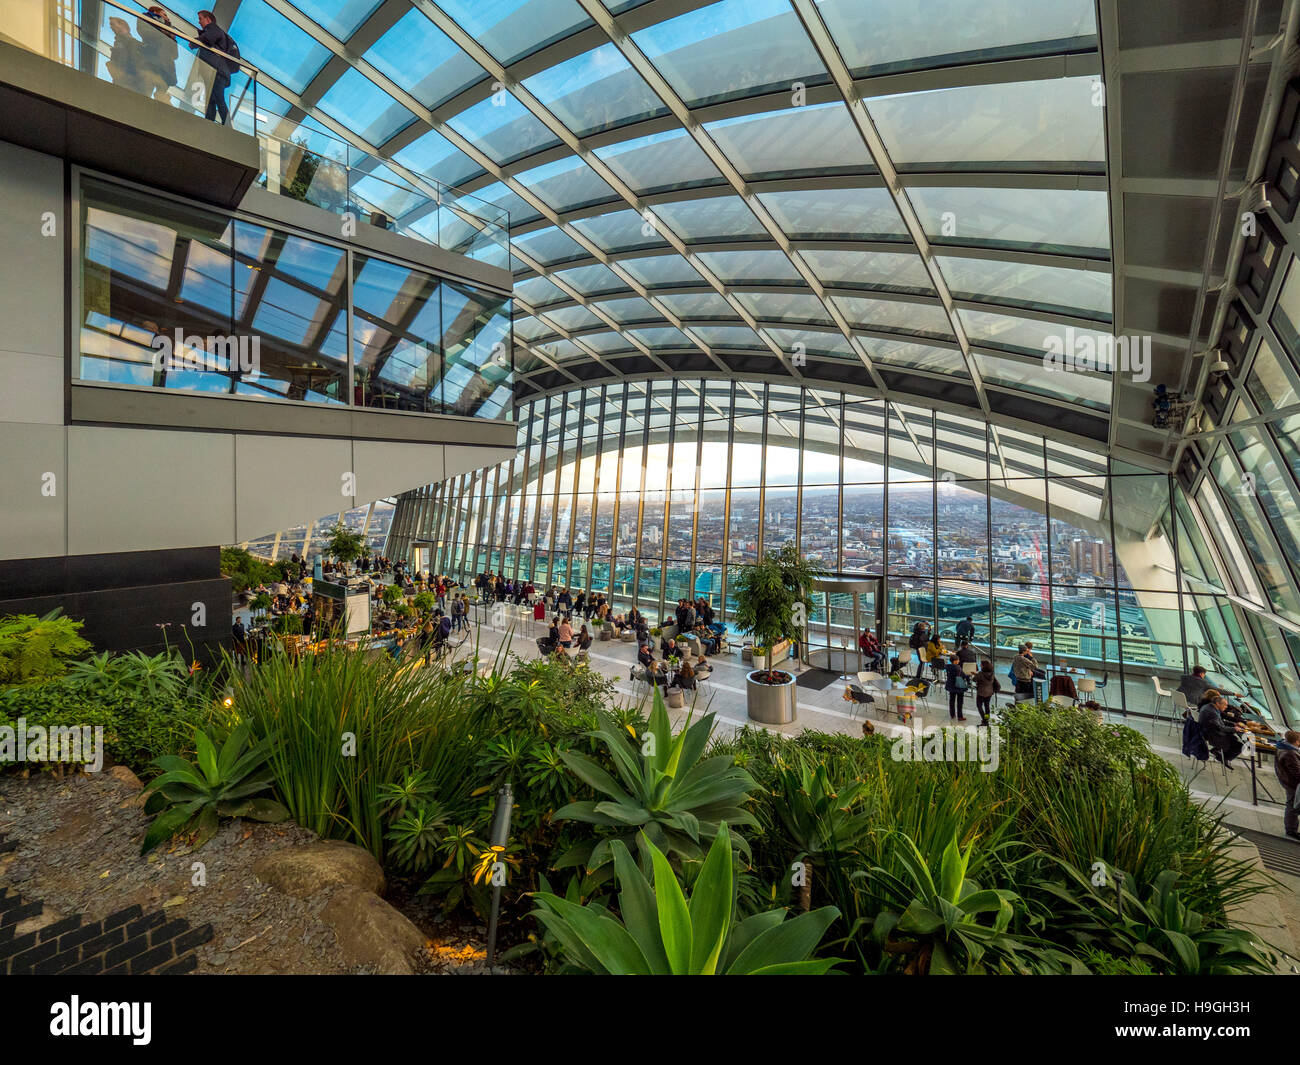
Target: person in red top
<point>871,651</point>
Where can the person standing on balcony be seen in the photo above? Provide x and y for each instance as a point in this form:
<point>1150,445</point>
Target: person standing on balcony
<point>159,50</point>
<point>215,37</point>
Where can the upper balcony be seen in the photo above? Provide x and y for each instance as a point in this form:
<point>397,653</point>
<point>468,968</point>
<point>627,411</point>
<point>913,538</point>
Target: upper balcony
<point>123,93</point>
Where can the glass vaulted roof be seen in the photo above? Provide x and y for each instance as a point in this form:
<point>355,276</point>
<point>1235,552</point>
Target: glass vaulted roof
<point>713,181</point>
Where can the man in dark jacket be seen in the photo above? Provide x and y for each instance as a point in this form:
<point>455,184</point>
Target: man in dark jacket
<point>1286,764</point>
<point>215,37</point>
<point>1221,737</point>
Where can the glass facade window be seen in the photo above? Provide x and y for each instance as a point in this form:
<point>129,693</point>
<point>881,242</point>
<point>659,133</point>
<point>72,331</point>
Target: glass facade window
<point>175,296</point>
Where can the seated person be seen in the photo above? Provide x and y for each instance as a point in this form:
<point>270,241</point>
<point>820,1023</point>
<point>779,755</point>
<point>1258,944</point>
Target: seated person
<point>871,652</point>
<point>656,674</point>
<point>708,639</point>
<point>645,655</point>
<point>551,639</point>
<point>584,639</point>
<point>966,653</point>
<point>1223,738</point>
<point>668,648</point>
<point>702,667</point>
<point>565,630</point>
<point>1196,686</point>
<point>685,678</point>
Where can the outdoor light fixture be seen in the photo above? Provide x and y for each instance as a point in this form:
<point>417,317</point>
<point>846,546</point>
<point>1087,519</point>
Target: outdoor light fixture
<point>497,841</point>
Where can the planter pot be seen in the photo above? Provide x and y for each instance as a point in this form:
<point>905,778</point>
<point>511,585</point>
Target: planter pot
<point>627,636</point>
<point>771,704</point>
<point>747,653</point>
<point>605,632</point>
<point>676,699</point>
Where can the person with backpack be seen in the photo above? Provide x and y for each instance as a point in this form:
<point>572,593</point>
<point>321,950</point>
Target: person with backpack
<point>955,684</point>
<point>223,65</point>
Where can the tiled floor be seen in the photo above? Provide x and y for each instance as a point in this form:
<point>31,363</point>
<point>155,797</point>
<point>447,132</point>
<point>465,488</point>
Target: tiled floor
<point>724,694</point>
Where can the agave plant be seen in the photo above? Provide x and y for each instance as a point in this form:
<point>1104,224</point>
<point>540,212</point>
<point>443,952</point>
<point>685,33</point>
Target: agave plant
<point>949,926</point>
<point>661,933</point>
<point>194,795</point>
<point>666,794</point>
<point>1162,931</point>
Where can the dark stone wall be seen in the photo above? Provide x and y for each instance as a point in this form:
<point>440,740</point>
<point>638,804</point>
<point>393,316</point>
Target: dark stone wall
<point>138,600</point>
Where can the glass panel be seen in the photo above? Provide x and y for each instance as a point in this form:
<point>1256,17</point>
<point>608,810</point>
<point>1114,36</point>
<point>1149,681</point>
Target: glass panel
<point>895,315</point>
<point>843,214</point>
<point>1029,285</point>
<point>1053,125</point>
<point>284,51</point>
<point>443,71</point>
<point>880,36</point>
<point>899,271</point>
<point>595,91</point>
<point>731,49</point>
<point>567,184</point>
<point>660,162</point>
<point>821,138</point>
<point>1088,390</point>
<point>1071,221</point>
<point>503,128</point>
<point>359,104</point>
<point>512,29</point>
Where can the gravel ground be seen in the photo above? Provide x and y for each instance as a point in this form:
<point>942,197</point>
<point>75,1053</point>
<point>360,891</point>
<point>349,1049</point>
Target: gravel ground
<point>79,853</point>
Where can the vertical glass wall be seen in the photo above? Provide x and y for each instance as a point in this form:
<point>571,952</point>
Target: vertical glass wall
<point>654,490</point>
<point>176,296</point>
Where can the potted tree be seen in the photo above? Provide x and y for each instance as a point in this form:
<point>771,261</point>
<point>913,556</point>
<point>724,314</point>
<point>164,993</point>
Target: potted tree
<point>772,604</point>
<point>344,545</point>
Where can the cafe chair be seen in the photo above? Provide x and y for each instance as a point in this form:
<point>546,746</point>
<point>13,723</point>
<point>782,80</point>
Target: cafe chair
<point>1061,700</point>
<point>969,668</point>
<point>1180,708</point>
<point>1160,694</point>
<point>1086,687</point>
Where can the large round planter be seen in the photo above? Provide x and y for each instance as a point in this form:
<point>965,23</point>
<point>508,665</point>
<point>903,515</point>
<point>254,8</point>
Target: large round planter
<point>770,704</point>
<point>605,632</point>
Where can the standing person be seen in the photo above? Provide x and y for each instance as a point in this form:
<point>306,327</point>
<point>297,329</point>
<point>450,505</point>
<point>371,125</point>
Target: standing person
<point>240,635</point>
<point>986,686</point>
<point>126,59</point>
<point>966,628</point>
<point>1287,766</point>
<point>917,641</point>
<point>158,48</point>
<point>222,65</point>
<point>1023,669</point>
<point>964,652</point>
<point>955,684</point>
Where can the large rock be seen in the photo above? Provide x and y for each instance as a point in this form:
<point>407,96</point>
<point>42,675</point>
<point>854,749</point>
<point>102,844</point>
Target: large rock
<point>303,871</point>
<point>370,933</point>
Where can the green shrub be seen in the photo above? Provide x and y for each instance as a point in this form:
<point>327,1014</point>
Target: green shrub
<point>137,727</point>
<point>34,649</point>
